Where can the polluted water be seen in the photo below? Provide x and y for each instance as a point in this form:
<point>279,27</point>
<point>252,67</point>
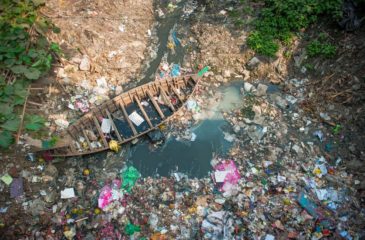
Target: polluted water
<point>193,156</point>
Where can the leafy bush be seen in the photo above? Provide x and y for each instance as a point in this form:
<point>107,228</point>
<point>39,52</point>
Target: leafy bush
<point>280,19</point>
<point>27,57</point>
<point>316,48</point>
<point>262,44</point>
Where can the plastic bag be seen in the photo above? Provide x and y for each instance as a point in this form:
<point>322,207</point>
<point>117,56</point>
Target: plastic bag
<point>130,176</point>
<point>130,229</point>
<point>105,197</point>
<point>231,174</point>
<point>204,70</point>
<point>175,71</point>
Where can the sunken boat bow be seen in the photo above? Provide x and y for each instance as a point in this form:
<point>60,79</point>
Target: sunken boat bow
<point>125,117</point>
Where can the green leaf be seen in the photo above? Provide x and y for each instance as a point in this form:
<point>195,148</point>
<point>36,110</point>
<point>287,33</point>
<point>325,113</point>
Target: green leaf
<point>37,63</point>
<point>5,109</point>
<point>11,125</point>
<point>55,47</point>
<point>2,81</point>
<point>32,53</point>
<point>26,59</point>
<point>9,62</point>
<point>38,2</point>
<point>19,69</point>
<point>32,74</point>
<point>9,90</point>
<point>19,93</point>
<point>34,122</point>
<point>6,139</point>
<point>56,29</point>
<point>18,100</point>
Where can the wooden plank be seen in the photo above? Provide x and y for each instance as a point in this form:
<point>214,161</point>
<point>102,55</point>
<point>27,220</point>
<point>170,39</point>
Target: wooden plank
<point>190,83</point>
<point>73,148</point>
<point>195,78</point>
<point>168,99</point>
<point>113,125</point>
<point>87,139</point>
<point>155,104</point>
<point>69,131</point>
<point>177,94</point>
<point>96,122</point>
<point>143,111</point>
<point>128,120</point>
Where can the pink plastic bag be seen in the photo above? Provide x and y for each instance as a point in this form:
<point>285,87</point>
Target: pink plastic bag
<point>105,197</point>
<point>232,177</point>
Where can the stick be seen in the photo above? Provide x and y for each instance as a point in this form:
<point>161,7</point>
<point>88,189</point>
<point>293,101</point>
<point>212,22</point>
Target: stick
<point>81,219</point>
<point>34,103</point>
<point>22,117</point>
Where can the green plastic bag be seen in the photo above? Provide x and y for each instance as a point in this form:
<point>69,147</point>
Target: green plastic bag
<point>130,176</point>
<point>130,229</point>
<point>204,70</point>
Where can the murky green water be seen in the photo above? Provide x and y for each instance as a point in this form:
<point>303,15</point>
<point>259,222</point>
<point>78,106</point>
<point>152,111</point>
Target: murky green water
<point>190,157</point>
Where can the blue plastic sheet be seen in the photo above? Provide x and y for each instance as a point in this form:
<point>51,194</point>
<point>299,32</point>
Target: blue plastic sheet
<point>176,40</point>
<point>175,71</point>
<point>308,204</point>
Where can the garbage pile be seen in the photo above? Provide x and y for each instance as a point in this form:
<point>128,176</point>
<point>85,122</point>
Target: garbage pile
<point>282,179</point>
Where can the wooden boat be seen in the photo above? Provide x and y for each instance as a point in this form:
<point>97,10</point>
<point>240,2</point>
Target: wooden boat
<point>125,117</point>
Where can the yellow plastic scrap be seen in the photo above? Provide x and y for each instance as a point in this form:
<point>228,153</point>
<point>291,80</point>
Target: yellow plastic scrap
<point>317,171</point>
<point>286,201</point>
<point>162,127</point>
<point>114,146</point>
<point>84,145</point>
<point>192,210</point>
<point>97,211</point>
<point>171,45</point>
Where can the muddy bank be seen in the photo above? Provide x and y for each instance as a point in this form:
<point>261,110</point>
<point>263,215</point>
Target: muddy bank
<point>101,38</point>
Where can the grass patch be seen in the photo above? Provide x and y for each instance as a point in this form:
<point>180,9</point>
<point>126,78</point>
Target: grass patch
<point>317,48</point>
<point>280,20</point>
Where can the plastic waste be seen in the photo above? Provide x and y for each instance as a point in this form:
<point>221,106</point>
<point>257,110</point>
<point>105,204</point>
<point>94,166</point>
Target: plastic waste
<point>114,146</point>
<point>308,204</point>
<point>269,237</point>
<point>129,176</point>
<point>320,168</point>
<point>16,188</point>
<point>153,220</point>
<point>105,197</point>
<point>204,70</point>
<point>176,40</point>
<point>67,193</point>
<point>7,179</point>
<point>191,104</point>
<point>30,157</point>
<point>319,135</point>
<point>130,229</point>
<point>175,71</point>
<point>226,173</point>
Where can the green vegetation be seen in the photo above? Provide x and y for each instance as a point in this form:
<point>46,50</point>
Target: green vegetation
<point>25,56</point>
<point>237,14</point>
<point>321,47</point>
<point>280,20</point>
<point>316,49</point>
